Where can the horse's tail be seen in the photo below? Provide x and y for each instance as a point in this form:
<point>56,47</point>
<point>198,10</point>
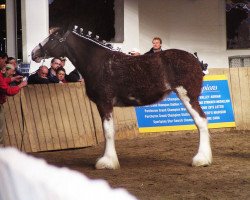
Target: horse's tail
<point>204,66</point>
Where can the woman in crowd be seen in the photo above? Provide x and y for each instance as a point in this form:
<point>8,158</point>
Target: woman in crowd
<point>60,74</point>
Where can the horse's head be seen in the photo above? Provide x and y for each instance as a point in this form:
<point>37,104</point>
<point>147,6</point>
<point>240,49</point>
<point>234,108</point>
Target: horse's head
<point>52,46</point>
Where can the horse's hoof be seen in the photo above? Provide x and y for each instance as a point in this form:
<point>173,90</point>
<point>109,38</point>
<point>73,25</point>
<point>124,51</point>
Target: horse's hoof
<point>201,160</point>
<point>107,163</point>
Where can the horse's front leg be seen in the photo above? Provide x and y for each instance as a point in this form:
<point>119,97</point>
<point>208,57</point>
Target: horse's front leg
<point>109,160</point>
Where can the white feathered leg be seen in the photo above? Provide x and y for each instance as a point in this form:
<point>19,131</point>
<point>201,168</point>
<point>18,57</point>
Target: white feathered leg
<point>109,159</point>
<point>204,155</point>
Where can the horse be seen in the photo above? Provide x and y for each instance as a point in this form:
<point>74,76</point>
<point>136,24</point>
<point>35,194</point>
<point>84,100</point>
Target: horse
<point>113,78</point>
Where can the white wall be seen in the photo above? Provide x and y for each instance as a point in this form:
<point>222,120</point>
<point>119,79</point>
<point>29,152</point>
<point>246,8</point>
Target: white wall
<point>191,25</point>
<point>131,26</point>
<point>35,27</point>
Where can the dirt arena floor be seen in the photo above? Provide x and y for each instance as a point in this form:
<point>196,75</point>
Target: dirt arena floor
<point>158,167</point>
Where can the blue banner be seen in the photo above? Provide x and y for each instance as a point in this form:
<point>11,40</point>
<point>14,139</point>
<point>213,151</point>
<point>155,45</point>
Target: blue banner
<point>171,115</point>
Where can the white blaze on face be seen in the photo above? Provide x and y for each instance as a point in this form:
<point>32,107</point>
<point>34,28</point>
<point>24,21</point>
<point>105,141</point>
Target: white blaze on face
<point>37,48</point>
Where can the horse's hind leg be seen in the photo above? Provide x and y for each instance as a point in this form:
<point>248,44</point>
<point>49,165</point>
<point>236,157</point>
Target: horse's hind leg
<point>204,155</point>
<point>109,160</point>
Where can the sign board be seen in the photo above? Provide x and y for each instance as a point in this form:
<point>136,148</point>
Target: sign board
<point>171,115</point>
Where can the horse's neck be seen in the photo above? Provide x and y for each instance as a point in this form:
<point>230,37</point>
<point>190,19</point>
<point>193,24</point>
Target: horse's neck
<point>84,56</point>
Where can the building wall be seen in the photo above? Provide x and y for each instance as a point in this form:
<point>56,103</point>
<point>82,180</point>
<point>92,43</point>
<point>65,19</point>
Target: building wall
<point>191,25</point>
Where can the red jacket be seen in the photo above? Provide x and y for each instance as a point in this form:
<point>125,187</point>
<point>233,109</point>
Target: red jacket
<point>5,89</point>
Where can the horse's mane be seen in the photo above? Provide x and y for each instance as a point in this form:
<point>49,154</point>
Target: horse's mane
<point>88,36</point>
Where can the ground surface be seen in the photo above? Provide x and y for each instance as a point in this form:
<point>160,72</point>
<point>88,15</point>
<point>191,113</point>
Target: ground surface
<point>158,167</point>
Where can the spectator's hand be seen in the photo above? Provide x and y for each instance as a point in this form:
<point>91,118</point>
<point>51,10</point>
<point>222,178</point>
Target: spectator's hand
<point>17,78</point>
<point>23,84</point>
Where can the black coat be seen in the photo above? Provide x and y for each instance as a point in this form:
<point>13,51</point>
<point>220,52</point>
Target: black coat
<point>36,79</point>
<point>151,51</point>
<point>52,78</point>
<point>73,76</point>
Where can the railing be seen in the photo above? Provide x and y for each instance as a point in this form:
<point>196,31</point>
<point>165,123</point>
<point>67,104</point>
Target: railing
<point>60,116</point>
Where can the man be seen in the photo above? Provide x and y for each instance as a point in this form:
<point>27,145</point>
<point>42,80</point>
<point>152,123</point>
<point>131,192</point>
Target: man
<point>55,63</point>
<point>10,70</point>
<point>13,61</point>
<point>63,61</point>
<point>157,42</point>
<point>6,90</point>
<point>40,77</point>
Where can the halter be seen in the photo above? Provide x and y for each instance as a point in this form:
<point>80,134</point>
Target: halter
<point>60,40</point>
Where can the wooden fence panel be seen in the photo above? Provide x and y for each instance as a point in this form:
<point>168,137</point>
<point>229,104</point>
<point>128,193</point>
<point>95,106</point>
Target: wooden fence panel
<point>64,115</point>
<point>235,85</point>
<point>50,118</point>
<point>58,118</point>
<point>86,114</point>
<point>245,97</point>
<point>11,138</point>
<point>28,128</point>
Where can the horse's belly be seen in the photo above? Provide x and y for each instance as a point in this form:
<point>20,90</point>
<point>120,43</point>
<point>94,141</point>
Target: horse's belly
<point>140,100</point>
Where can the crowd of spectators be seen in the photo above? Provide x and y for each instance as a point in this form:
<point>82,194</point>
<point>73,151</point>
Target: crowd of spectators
<point>54,74</point>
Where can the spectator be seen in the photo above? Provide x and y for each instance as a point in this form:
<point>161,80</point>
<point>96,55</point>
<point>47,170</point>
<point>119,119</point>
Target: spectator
<point>3,69</point>
<point>63,61</point>
<point>55,63</point>
<point>13,61</point>
<point>60,74</point>
<point>157,42</point>
<point>40,77</point>
<point>6,90</point>
<point>10,72</point>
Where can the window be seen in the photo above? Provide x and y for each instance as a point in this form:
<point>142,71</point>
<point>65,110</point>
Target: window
<point>238,24</point>
<point>97,16</point>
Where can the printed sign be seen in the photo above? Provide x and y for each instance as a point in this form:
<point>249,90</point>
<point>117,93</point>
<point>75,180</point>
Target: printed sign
<point>171,115</point>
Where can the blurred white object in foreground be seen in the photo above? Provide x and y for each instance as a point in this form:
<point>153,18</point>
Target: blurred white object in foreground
<point>24,177</point>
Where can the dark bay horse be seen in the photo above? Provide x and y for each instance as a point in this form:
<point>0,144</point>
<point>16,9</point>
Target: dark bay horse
<point>113,78</point>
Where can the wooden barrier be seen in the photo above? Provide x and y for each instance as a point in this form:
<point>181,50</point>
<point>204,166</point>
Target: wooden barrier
<point>239,84</point>
<point>60,116</point>
<point>56,116</point>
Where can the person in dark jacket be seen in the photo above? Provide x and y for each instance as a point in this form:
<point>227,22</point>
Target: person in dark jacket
<point>74,76</point>
<point>157,42</point>
<point>40,77</point>
<point>55,63</point>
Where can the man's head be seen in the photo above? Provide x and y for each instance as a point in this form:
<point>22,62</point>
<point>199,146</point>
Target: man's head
<point>43,71</point>
<point>3,59</point>
<point>156,43</point>
<point>10,70</point>
<point>55,63</point>
<point>63,60</point>
<point>12,61</point>
<point>60,73</point>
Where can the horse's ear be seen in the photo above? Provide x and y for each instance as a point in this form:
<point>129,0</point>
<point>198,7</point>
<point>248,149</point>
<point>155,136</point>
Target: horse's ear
<point>54,30</point>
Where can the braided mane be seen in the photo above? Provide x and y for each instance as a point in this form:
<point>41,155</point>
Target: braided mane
<point>88,36</point>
